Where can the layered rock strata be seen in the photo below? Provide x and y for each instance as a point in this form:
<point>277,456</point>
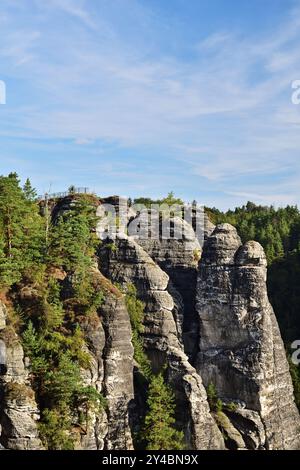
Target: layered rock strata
<point>127,263</point>
<point>19,412</point>
<point>241,350</point>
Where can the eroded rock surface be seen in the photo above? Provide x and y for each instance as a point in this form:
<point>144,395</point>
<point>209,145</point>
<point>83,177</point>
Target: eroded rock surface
<point>18,409</point>
<point>111,373</point>
<point>127,263</point>
<point>208,323</point>
<point>178,256</point>
<point>241,350</point>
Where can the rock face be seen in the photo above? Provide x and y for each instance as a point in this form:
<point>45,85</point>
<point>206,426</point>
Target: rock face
<point>178,256</point>
<point>207,322</point>
<point>127,264</point>
<point>109,344</point>
<point>18,409</point>
<point>118,372</point>
<point>176,246</point>
<point>108,338</point>
<point>241,350</point>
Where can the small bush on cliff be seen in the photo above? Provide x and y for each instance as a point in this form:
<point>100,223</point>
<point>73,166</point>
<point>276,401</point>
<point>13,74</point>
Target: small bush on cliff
<point>135,310</point>
<point>214,401</point>
<point>159,432</point>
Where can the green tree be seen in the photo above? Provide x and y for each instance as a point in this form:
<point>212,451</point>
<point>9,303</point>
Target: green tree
<point>30,193</point>
<point>159,432</point>
<point>21,245</point>
<point>214,401</point>
<point>72,238</point>
<point>171,200</point>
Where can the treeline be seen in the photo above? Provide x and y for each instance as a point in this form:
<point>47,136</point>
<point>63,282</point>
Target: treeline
<point>170,200</point>
<point>278,231</point>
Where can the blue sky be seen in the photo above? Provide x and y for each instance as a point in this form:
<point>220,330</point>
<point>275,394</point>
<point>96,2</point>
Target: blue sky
<point>141,97</point>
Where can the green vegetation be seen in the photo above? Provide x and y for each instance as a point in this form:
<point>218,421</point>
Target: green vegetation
<point>214,401</point>
<point>35,265</point>
<point>111,246</point>
<point>21,234</point>
<point>197,255</point>
<point>136,313</point>
<point>170,200</point>
<point>159,432</point>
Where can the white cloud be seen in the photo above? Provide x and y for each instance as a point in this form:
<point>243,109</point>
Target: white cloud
<point>75,8</point>
<point>226,113</point>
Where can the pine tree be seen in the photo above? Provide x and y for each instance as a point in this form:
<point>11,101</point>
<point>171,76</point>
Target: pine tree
<point>21,246</point>
<point>171,200</point>
<point>159,432</point>
<point>29,192</point>
<point>72,238</point>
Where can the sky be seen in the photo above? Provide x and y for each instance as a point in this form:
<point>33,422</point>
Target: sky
<point>144,97</point>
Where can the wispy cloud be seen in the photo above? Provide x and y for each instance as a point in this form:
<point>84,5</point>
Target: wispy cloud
<point>76,8</point>
<point>222,112</point>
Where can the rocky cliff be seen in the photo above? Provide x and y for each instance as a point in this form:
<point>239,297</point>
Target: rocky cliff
<point>240,348</point>
<point>127,264</point>
<point>19,412</point>
<point>108,338</point>
<point>207,322</point>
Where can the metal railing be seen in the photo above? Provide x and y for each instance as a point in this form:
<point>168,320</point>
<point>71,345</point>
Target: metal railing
<point>60,195</point>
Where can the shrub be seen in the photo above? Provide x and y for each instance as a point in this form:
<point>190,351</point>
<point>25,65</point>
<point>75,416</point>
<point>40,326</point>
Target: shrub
<point>135,310</point>
<point>214,402</point>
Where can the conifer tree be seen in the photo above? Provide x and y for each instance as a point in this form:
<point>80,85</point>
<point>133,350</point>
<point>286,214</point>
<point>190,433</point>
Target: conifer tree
<point>72,237</point>
<point>159,431</point>
<point>20,230</point>
<point>30,193</point>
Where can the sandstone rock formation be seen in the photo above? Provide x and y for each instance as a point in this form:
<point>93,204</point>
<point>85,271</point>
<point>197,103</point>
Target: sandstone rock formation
<point>207,322</point>
<point>178,256</point>
<point>118,371</point>
<point>176,246</point>
<point>127,264</point>
<point>18,409</point>
<point>241,350</point>
<point>108,338</point>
